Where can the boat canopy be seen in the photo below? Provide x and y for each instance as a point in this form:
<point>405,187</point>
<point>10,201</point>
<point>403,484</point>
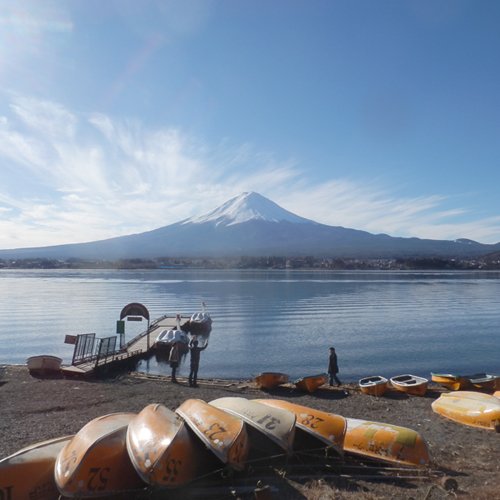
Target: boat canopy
<point>134,309</point>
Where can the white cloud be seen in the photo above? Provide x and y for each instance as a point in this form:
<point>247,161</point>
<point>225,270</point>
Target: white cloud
<point>71,178</point>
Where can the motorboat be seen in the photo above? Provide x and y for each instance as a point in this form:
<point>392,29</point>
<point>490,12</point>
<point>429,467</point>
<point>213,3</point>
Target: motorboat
<point>275,424</point>
<point>270,380</point>
<point>31,470</point>
<point>164,451</point>
<point>411,384</point>
<point>222,433</point>
<point>97,460</point>
<point>375,385</point>
<point>470,408</point>
<point>200,322</point>
<point>385,443</point>
<point>314,428</point>
<point>311,383</point>
<point>450,381</point>
<point>44,364</point>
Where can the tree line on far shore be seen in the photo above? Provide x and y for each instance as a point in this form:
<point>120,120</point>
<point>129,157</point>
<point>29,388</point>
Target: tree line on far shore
<point>491,262</point>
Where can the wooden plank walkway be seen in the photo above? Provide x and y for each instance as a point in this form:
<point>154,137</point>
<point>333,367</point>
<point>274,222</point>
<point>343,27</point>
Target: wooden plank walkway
<point>133,350</point>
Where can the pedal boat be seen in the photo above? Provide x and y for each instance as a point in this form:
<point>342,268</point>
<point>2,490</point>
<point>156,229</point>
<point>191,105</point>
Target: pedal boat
<point>30,472</point>
<point>311,383</point>
<point>470,408</point>
<point>167,338</point>
<point>224,434</point>
<point>451,382</point>
<point>385,443</point>
<point>96,462</point>
<point>164,451</point>
<point>411,384</point>
<point>275,424</point>
<point>315,428</point>
<point>270,380</point>
<point>200,322</point>
<point>374,386</point>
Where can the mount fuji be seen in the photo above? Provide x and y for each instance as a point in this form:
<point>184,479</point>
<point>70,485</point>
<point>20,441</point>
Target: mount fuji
<point>252,225</point>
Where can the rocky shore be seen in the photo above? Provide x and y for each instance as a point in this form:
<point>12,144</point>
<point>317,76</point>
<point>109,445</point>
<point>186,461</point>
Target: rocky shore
<point>37,409</point>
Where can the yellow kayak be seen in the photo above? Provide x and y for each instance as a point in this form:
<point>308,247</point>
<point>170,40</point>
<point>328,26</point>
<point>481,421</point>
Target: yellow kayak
<point>385,443</point>
<point>470,408</point>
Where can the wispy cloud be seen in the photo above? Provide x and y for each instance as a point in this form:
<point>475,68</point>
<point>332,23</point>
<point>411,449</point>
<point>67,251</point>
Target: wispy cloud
<point>69,178</point>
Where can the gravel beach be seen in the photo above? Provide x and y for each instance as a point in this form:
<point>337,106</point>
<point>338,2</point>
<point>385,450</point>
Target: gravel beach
<point>36,409</point>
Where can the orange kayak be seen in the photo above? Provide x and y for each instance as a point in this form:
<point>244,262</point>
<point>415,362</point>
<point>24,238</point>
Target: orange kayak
<point>224,434</point>
<point>30,471</point>
<point>270,380</point>
<point>311,383</point>
<point>163,450</point>
<point>96,461</point>
<point>318,425</point>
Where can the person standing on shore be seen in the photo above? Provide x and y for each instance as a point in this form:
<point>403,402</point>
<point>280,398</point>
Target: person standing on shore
<point>333,367</point>
<point>174,360</point>
<point>195,360</point>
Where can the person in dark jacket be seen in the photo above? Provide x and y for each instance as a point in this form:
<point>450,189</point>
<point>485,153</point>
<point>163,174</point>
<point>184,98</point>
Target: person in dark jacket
<point>174,360</point>
<point>195,360</point>
<point>333,368</point>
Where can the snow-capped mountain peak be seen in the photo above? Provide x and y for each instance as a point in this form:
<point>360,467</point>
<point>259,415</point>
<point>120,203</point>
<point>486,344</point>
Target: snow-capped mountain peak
<point>246,207</point>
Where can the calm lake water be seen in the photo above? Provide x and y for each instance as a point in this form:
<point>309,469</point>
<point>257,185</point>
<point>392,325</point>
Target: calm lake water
<point>381,323</point>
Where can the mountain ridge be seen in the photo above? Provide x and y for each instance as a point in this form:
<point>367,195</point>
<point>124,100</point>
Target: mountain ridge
<point>252,225</point>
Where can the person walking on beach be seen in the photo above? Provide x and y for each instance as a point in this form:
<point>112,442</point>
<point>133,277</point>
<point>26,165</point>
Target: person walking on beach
<point>333,367</point>
<point>174,360</point>
<point>195,360</point>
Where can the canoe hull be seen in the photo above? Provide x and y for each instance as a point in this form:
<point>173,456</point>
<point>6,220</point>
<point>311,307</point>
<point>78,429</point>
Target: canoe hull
<point>44,364</point>
<point>374,386</point>
<point>96,460</point>
<point>326,427</point>
<point>270,380</point>
<point>312,383</point>
<point>451,382</point>
<point>224,434</point>
<point>162,449</point>
<point>470,408</point>
<point>485,381</point>
<point>385,443</point>
<point>410,384</point>
<point>276,424</point>
<point>29,473</point>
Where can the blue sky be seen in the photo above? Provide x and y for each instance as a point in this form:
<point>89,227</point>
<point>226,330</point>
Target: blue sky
<point>119,117</point>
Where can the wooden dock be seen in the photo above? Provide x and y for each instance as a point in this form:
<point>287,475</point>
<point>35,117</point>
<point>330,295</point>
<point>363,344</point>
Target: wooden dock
<point>125,357</point>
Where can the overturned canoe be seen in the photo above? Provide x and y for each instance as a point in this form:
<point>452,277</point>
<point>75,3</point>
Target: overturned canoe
<point>411,384</point>
<point>276,424</point>
<point>485,381</point>
<point>44,364</point>
<point>223,433</point>
<point>96,462</point>
<point>450,381</point>
<point>311,383</point>
<point>29,472</point>
<point>270,380</point>
<point>374,386</point>
<point>325,427</point>
<point>385,443</point>
<point>470,408</point>
<point>163,450</point>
